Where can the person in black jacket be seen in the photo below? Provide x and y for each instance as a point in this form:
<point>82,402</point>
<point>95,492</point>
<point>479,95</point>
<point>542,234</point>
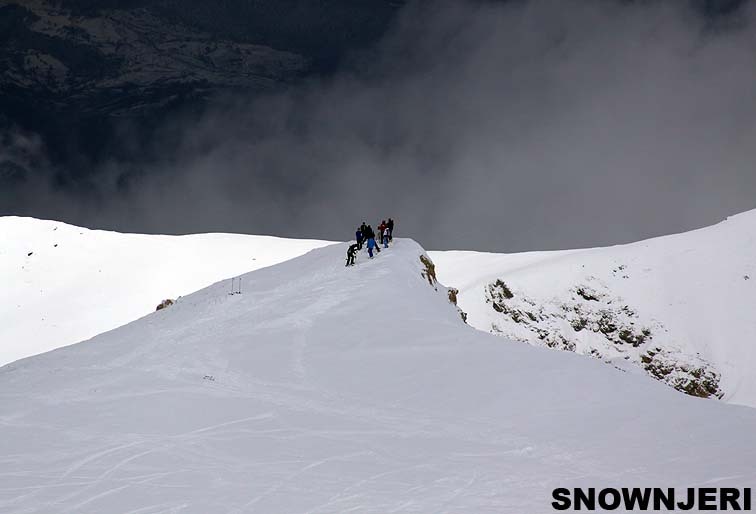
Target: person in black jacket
<point>351,254</point>
<point>390,226</point>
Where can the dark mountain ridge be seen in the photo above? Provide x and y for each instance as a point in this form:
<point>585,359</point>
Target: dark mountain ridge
<point>81,72</point>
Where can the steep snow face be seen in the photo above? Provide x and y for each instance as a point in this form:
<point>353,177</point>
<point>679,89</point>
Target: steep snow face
<point>679,307</point>
<point>62,284</point>
<point>328,389</point>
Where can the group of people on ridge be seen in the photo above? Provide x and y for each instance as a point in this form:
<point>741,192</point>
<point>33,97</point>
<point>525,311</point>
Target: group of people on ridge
<point>365,235</point>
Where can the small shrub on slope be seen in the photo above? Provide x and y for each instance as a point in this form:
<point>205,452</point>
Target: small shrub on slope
<point>165,304</point>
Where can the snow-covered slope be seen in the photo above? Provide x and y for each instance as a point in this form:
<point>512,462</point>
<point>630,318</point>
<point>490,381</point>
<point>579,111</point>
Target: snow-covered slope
<point>327,389</point>
<point>62,284</point>
<point>679,307</point>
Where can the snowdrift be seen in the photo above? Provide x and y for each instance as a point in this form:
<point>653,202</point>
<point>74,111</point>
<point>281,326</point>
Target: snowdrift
<point>328,389</point>
<point>62,284</point>
<point>679,308</point>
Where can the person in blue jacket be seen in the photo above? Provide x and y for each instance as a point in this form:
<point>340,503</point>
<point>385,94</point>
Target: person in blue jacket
<point>359,237</point>
<point>370,245</point>
<point>369,234</point>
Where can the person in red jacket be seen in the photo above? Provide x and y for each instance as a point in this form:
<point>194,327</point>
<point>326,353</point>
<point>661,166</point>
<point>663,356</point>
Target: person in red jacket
<point>381,229</point>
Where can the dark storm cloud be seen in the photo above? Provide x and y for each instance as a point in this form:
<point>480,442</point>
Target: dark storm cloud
<point>524,125</point>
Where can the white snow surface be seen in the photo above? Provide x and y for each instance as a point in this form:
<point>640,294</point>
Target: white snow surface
<point>78,282</point>
<point>696,290</point>
<point>326,389</point>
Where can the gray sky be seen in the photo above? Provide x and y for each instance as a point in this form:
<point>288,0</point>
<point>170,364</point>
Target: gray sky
<point>531,125</point>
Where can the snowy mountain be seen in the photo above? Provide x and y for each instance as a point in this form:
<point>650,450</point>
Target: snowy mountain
<point>327,389</point>
<point>63,284</point>
<point>679,307</point>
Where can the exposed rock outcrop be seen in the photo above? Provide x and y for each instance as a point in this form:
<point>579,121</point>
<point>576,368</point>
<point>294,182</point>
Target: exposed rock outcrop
<point>596,323</point>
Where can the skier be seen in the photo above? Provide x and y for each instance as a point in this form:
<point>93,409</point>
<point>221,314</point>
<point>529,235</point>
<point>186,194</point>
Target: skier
<point>359,237</point>
<point>351,254</point>
<point>390,226</point>
<point>370,245</point>
<point>385,237</point>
